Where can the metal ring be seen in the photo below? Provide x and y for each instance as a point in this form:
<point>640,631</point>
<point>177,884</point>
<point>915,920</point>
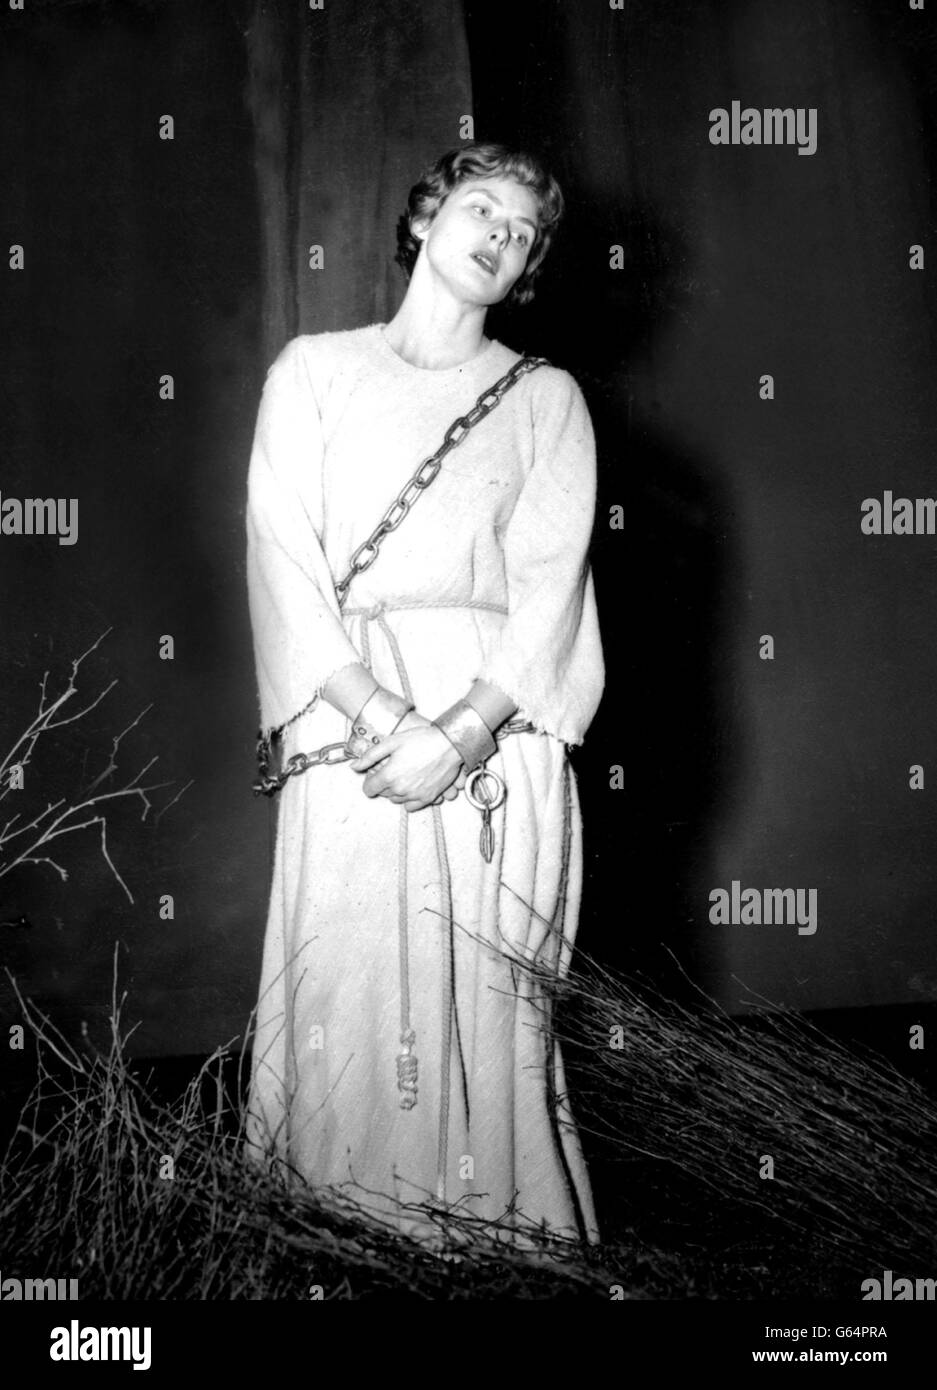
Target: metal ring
<point>480,803</point>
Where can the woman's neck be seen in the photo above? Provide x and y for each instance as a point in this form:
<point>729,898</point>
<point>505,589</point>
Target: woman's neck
<point>428,333</point>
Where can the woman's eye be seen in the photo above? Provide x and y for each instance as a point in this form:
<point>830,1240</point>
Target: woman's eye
<point>480,207</point>
<point>521,237</point>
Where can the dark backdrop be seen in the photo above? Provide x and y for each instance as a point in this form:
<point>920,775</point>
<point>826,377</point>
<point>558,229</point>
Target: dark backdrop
<point>742,516</point>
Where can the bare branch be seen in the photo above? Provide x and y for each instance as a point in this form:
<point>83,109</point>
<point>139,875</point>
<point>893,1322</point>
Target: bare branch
<point>60,723</point>
<point>32,824</point>
<point>185,788</point>
<point>115,744</point>
<point>43,859</point>
<point>44,719</point>
<point>65,816</point>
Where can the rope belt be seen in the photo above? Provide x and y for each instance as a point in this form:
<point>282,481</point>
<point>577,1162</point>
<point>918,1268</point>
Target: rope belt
<point>417,605</point>
<point>407,1064</point>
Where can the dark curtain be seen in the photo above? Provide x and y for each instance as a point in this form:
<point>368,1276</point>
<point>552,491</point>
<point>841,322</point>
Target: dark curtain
<point>349,104</point>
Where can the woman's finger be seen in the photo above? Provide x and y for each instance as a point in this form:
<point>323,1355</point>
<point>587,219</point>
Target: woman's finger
<point>379,784</point>
<point>450,793</point>
<point>374,755</point>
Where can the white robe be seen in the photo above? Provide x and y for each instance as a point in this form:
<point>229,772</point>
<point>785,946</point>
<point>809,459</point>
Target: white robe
<point>381,920</point>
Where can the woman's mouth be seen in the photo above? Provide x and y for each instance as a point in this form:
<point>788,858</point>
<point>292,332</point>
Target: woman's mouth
<point>488,262</point>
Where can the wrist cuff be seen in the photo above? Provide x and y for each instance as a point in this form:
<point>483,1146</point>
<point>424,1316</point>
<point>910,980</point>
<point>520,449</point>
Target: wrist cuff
<point>468,733</point>
<point>378,717</point>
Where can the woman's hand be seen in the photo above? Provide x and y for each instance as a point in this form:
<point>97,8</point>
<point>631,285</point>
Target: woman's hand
<point>415,767</point>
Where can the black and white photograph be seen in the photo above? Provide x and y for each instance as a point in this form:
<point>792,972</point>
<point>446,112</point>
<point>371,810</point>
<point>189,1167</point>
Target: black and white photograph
<point>468,564</point>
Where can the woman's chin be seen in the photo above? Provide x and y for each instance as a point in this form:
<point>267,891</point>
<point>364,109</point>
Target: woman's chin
<point>471,289</point>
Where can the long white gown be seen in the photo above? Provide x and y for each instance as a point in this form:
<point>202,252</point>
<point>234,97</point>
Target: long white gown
<point>382,922</point>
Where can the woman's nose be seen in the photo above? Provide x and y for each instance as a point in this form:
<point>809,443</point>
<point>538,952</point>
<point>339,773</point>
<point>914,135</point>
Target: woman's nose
<point>499,234</point>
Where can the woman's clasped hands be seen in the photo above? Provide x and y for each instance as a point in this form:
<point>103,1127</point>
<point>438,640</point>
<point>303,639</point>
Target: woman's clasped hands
<point>416,766</point>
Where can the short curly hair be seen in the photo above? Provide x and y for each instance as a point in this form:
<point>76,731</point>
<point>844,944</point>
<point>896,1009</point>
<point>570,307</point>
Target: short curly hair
<point>476,160</point>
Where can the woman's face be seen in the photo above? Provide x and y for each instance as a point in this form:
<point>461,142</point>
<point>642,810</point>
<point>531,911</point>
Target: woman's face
<point>479,241</point>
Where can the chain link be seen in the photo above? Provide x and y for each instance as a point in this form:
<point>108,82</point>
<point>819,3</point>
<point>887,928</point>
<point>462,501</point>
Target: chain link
<point>269,782</point>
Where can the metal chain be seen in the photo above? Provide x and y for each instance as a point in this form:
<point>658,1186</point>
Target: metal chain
<point>269,782</point>
<point>428,471</point>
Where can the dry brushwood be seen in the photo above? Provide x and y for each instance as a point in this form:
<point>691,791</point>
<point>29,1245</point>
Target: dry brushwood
<point>695,1094</point>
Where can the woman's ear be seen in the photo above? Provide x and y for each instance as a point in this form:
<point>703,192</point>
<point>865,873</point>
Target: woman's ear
<point>420,226</point>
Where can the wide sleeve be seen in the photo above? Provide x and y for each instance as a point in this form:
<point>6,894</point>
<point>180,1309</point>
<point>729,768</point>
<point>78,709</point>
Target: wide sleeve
<point>299,640</point>
<point>548,655</point>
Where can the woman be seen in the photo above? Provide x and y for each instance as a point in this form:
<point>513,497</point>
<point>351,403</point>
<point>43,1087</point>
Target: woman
<point>402,1048</point>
